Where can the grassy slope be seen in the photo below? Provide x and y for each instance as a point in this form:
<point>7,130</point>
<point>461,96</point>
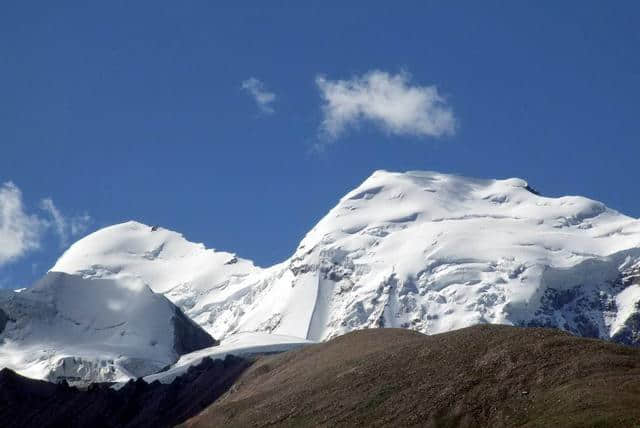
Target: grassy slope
<point>484,375</point>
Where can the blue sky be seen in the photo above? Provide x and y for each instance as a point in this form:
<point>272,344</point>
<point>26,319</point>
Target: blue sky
<point>148,111</point>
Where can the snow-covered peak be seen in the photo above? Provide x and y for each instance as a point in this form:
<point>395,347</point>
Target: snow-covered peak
<point>82,329</point>
<point>161,258</point>
<point>388,202</point>
<point>435,252</point>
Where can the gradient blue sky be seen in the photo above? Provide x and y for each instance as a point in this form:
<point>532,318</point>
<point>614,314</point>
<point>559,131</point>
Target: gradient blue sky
<point>135,110</point>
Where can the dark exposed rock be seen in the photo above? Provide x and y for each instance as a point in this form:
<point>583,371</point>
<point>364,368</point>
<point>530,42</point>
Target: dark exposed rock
<point>188,336</point>
<point>532,190</point>
<point>585,327</point>
<point>301,269</point>
<point>556,299</point>
<point>630,333</point>
<point>232,261</point>
<point>4,319</point>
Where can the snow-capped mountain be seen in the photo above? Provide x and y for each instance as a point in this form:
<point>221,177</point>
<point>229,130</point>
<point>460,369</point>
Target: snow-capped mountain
<point>421,250</point>
<point>187,273</point>
<point>85,329</point>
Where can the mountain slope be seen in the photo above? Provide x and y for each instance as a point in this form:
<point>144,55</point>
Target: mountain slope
<point>245,345</point>
<point>78,329</point>
<point>494,376</point>
<point>32,403</point>
<point>421,250</point>
<point>164,260</point>
<point>480,376</point>
<point>436,252</point>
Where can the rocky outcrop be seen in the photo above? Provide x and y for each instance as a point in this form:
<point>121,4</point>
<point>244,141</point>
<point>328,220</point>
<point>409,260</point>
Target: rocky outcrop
<point>189,336</point>
<point>4,319</point>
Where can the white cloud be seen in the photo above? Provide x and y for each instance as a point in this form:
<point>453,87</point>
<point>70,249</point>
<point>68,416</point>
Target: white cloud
<point>80,224</point>
<point>22,232</point>
<point>19,231</point>
<point>264,98</point>
<point>62,226</point>
<point>388,100</point>
<point>59,223</point>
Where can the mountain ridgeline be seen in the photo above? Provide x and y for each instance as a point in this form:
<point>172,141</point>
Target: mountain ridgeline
<point>423,251</point>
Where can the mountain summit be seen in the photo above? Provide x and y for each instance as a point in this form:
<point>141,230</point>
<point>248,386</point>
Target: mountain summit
<point>422,250</point>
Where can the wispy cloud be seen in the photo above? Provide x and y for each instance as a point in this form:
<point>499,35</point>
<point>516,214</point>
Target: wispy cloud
<point>59,223</point>
<point>64,227</point>
<point>22,232</point>
<point>19,232</point>
<point>388,100</point>
<point>264,99</point>
<point>78,225</point>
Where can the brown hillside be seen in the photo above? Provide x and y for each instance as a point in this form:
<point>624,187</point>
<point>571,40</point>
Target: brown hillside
<point>479,376</point>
